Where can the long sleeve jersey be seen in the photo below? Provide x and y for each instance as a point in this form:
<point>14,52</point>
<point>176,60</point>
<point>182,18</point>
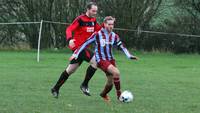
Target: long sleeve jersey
<point>82,27</point>
<point>104,43</point>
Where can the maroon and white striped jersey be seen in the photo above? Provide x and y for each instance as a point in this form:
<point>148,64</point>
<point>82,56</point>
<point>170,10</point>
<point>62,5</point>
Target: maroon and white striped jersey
<point>104,43</point>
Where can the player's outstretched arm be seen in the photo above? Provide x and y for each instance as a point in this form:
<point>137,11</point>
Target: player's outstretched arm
<point>125,50</point>
<point>127,53</point>
<point>81,48</point>
<point>120,44</point>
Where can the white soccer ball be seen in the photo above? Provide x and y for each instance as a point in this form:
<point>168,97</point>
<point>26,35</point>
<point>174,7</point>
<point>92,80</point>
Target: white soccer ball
<point>126,96</point>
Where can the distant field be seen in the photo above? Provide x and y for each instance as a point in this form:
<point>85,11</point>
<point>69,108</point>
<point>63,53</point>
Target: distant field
<point>161,83</point>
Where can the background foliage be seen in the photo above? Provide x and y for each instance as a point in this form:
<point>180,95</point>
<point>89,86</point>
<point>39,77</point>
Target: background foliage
<point>174,16</point>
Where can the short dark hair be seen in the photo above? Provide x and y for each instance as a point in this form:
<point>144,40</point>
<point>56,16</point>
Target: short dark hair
<point>90,4</point>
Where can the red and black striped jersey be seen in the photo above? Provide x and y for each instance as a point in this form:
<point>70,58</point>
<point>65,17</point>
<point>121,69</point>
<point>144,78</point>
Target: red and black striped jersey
<point>82,27</point>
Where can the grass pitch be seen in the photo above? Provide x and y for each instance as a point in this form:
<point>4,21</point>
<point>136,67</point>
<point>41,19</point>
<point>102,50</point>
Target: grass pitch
<point>161,83</point>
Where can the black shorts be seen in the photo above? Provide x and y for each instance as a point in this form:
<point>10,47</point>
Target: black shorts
<point>85,55</point>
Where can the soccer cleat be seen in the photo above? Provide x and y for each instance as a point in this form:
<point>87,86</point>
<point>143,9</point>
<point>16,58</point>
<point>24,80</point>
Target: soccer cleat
<point>55,92</point>
<point>106,98</point>
<point>85,90</point>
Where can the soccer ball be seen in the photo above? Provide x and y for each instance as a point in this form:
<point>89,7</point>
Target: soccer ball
<point>126,96</point>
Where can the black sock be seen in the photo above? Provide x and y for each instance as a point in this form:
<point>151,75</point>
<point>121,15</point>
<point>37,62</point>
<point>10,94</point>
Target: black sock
<point>89,74</point>
<point>63,77</point>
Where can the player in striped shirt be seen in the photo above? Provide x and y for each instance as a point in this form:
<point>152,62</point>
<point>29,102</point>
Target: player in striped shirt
<point>104,40</point>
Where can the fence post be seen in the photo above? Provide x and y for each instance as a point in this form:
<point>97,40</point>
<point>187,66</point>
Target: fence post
<point>39,38</point>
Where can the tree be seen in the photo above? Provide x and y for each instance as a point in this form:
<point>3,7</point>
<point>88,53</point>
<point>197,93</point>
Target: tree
<point>133,14</point>
<point>136,14</point>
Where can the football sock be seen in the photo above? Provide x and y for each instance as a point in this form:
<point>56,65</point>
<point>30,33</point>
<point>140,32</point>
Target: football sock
<point>63,77</point>
<point>89,74</point>
<point>117,86</point>
<point>106,90</point>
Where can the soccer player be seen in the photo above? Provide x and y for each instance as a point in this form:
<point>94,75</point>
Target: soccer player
<point>104,40</point>
<point>83,27</point>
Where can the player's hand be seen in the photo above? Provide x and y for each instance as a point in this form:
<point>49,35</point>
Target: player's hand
<point>73,57</point>
<point>134,57</point>
<point>72,43</point>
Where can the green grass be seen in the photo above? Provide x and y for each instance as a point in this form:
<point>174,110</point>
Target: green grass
<point>161,83</point>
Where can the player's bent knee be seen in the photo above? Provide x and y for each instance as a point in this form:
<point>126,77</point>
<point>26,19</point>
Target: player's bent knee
<point>93,62</point>
<point>116,73</point>
<point>72,68</point>
<point>70,71</point>
<point>94,65</point>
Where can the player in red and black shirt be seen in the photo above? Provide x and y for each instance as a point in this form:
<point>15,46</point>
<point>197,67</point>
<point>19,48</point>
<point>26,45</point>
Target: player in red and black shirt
<point>82,27</point>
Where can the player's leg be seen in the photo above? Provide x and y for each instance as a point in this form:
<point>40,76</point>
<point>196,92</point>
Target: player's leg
<point>74,64</point>
<point>109,67</point>
<point>89,57</point>
<point>116,76</point>
<point>90,71</point>
<point>107,88</point>
<point>65,74</point>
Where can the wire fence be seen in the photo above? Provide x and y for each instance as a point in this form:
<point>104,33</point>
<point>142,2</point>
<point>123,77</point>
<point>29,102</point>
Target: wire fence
<point>151,39</point>
<point>120,29</point>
